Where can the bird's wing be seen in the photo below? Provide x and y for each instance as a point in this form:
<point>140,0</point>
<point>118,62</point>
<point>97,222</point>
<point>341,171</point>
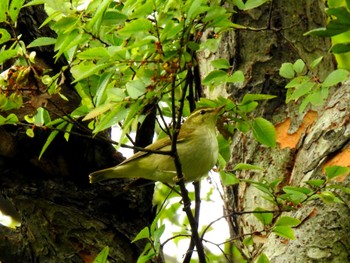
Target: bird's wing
<point>156,146</point>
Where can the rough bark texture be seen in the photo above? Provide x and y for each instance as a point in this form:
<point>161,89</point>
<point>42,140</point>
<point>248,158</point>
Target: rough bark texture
<point>259,54</point>
<point>64,218</point>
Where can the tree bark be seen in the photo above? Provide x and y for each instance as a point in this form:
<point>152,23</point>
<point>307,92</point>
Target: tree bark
<point>63,217</point>
<point>318,137</point>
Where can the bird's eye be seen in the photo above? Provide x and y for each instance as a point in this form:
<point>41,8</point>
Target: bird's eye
<point>202,112</point>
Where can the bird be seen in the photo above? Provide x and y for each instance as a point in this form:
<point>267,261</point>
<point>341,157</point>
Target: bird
<point>196,145</point>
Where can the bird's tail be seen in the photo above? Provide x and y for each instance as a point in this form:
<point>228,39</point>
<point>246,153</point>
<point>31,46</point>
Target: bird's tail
<point>105,174</point>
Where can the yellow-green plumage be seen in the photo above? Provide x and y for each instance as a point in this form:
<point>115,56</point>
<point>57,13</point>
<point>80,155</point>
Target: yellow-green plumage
<point>196,146</point>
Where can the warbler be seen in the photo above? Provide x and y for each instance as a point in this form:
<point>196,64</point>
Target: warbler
<point>196,146</point>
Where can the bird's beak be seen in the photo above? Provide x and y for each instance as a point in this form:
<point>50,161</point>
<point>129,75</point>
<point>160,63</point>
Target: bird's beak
<point>218,109</point>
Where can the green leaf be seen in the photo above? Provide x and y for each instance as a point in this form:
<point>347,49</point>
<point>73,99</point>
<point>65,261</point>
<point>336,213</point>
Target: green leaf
<point>315,62</point>
<point>300,91</point>
<point>135,88</point>
<point>144,233</point>
<point>6,55</point>
<point>30,133</point>
<point>327,197</point>
<point>158,232</point>
<point>264,132</point>
<point>224,147</point>
<point>103,83</point>
<point>263,259</point>
<point>264,217</point>
<point>246,166</point>
<point>212,44</point>
<point>248,107</point>
<point>284,231</point>
<point>42,117</point>
<point>98,111</point>
<point>334,171</point>
<point>214,76</point>
<point>299,66</point>
<point>287,221</point>
<point>51,137</point>
<point>250,4</point>
<point>95,22</point>
<point>10,119</point>
<point>236,77</point>
<point>340,187</point>
<point>220,64</point>
<point>316,182</point>
<point>4,35</point>
<point>335,77</point>
<point>102,256</point>
<point>42,41</point>
<point>15,7</point>
<point>3,10</point>
<point>117,114</point>
<point>341,48</point>
<point>85,70</point>
<point>287,70</point>
<point>254,97</point>
<point>94,53</point>
<point>135,26</point>
<point>228,178</point>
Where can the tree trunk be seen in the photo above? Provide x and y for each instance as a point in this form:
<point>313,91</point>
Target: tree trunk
<point>306,142</point>
<point>63,217</point>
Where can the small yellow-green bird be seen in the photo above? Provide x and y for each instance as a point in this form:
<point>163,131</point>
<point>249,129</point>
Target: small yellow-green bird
<point>196,145</point>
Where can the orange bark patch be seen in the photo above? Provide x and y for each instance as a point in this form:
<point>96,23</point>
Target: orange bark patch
<point>284,139</point>
<point>341,159</point>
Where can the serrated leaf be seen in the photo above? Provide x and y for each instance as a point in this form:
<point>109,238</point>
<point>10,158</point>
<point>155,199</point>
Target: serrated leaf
<point>246,166</point>
<point>335,77</point>
<point>42,41</point>
<point>264,132</point>
<point>220,63</point>
<point>287,70</point>
<point>287,221</point>
<point>335,170</point>
<point>102,256</point>
<point>284,231</point>
<point>264,217</point>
